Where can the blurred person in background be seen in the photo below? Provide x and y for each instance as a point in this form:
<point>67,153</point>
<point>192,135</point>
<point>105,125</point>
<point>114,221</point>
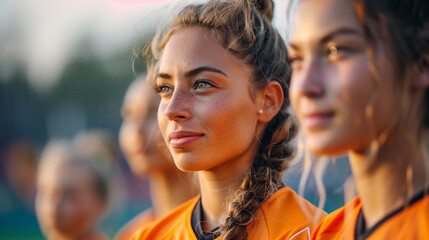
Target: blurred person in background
<point>72,192</point>
<point>148,156</point>
<point>21,160</point>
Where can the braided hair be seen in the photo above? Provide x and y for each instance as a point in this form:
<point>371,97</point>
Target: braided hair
<point>243,28</point>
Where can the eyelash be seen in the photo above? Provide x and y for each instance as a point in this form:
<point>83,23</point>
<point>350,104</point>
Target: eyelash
<point>159,89</point>
<point>294,60</point>
<point>205,81</point>
<point>337,52</point>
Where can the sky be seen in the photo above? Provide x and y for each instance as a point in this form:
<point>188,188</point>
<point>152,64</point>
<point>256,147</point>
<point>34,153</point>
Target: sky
<point>42,37</point>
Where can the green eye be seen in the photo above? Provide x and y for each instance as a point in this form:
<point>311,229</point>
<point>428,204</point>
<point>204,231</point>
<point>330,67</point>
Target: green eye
<point>164,89</point>
<point>333,50</point>
<point>201,85</point>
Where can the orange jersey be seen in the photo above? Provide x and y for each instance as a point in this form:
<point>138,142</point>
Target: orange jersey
<point>284,215</point>
<point>143,219</point>
<point>411,222</point>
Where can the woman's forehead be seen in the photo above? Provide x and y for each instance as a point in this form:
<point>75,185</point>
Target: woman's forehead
<point>194,47</point>
<point>318,17</point>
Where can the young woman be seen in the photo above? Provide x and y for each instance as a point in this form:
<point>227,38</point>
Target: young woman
<point>148,156</point>
<point>360,85</point>
<point>222,77</point>
<point>72,193</point>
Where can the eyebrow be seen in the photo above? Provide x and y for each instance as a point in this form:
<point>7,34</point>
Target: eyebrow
<point>332,35</point>
<point>193,72</point>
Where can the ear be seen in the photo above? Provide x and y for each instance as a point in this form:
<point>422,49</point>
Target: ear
<point>421,82</point>
<point>271,101</point>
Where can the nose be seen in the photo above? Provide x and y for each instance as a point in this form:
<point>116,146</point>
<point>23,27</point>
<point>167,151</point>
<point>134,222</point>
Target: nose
<point>309,80</point>
<point>179,106</point>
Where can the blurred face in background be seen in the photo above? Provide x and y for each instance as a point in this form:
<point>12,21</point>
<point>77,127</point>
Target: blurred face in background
<point>67,204</point>
<point>340,104</point>
<point>140,138</point>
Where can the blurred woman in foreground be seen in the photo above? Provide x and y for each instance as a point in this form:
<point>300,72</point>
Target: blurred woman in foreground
<point>360,86</point>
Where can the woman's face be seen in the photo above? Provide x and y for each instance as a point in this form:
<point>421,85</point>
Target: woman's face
<point>67,204</point>
<point>139,137</point>
<point>332,89</point>
<point>206,114</point>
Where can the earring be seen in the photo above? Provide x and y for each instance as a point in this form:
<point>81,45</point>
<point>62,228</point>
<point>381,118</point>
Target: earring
<point>260,111</point>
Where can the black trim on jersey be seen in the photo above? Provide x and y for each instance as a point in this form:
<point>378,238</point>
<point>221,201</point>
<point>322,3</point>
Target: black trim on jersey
<point>362,233</point>
<point>197,222</point>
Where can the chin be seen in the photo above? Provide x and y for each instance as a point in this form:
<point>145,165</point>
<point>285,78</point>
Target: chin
<point>187,167</point>
<point>189,164</point>
<point>323,148</point>
<point>140,172</point>
<point>140,169</point>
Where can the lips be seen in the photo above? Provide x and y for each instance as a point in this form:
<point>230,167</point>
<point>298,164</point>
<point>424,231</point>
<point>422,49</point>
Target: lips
<point>183,138</point>
<point>317,120</point>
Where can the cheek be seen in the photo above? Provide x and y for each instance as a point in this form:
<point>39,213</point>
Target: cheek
<point>42,209</point>
<point>162,118</point>
<point>71,208</point>
<point>124,137</point>
<point>354,94</point>
<point>353,85</point>
<point>153,134</point>
<point>231,122</point>
<point>294,95</point>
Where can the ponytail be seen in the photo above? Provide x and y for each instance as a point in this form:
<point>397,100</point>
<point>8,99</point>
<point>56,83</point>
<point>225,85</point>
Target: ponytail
<point>264,178</point>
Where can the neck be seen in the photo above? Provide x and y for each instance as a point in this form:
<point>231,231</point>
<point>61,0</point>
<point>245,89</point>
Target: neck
<point>170,189</point>
<point>218,188</point>
<point>399,171</point>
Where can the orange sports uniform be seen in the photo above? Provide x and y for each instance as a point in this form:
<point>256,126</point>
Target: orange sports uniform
<point>409,222</point>
<point>284,215</point>
<point>145,218</point>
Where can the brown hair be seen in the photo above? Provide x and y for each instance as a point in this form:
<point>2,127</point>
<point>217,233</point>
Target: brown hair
<point>407,24</point>
<point>243,28</point>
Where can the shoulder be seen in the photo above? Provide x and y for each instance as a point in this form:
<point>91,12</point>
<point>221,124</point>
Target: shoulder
<point>410,223</point>
<point>289,204</point>
<point>286,214</point>
<point>136,223</point>
<point>339,224</point>
<point>175,225</point>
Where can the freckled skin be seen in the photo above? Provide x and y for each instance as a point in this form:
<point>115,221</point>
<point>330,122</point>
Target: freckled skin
<point>224,113</point>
